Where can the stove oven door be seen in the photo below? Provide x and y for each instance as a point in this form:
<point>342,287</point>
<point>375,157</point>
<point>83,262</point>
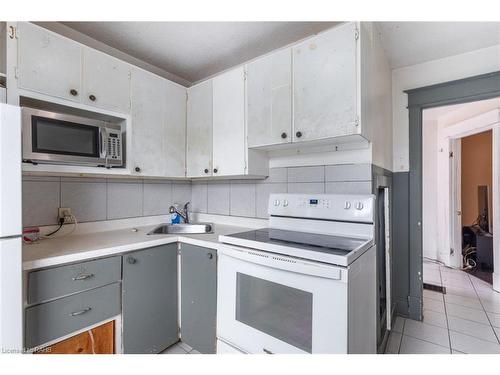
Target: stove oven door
<point>268,303</point>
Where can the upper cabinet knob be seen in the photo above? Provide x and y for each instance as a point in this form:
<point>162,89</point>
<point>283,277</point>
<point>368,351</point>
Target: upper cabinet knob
<point>215,170</point>
<point>206,170</point>
<point>73,92</point>
<point>92,97</point>
<point>298,134</point>
<point>283,135</point>
<point>359,206</point>
<point>137,169</point>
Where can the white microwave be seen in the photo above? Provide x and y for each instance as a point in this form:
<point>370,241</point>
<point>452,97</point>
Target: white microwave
<point>56,138</point>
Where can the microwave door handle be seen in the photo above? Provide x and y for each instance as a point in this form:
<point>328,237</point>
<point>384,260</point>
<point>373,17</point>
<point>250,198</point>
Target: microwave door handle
<point>102,146</point>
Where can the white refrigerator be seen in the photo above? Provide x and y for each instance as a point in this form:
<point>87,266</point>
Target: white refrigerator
<point>11,328</point>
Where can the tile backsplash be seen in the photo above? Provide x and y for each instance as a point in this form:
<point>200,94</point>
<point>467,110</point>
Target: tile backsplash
<point>249,198</point>
<point>95,199</point>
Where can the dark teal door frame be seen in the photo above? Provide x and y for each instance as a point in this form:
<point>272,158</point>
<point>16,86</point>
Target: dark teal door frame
<point>471,89</point>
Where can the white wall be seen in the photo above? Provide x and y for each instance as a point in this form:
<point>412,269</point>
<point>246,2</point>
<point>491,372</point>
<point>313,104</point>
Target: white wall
<point>451,68</point>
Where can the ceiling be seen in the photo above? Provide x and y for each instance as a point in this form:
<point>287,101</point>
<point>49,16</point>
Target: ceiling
<point>194,51</point>
<point>451,114</point>
<point>197,50</point>
<point>410,43</point>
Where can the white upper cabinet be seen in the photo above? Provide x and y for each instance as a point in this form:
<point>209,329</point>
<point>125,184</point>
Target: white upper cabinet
<point>269,99</point>
<point>148,124</point>
<point>229,146</point>
<point>158,126</point>
<point>48,63</point>
<point>106,81</point>
<point>199,130</point>
<point>325,85</point>
<point>175,128</point>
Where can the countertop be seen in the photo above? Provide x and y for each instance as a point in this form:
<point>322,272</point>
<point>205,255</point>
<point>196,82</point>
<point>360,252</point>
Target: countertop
<point>84,246</point>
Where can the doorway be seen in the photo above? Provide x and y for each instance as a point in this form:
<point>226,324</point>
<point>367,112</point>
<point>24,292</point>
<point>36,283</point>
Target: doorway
<point>408,211</point>
<point>458,186</point>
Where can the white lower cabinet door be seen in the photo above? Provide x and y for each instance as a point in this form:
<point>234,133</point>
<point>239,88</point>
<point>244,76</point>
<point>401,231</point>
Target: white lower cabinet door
<point>175,128</point>
<point>229,145</point>
<point>199,130</point>
<point>325,85</point>
<point>148,124</point>
<point>106,81</point>
<point>269,99</point>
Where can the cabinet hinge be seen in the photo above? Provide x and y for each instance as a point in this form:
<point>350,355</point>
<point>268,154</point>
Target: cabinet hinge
<point>451,154</point>
<point>356,121</point>
<point>244,75</point>
<point>408,300</point>
<point>356,33</point>
<point>16,72</point>
<point>452,251</point>
<point>187,96</point>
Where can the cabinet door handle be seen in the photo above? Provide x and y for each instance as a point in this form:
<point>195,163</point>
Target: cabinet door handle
<point>298,134</point>
<point>131,260</point>
<point>92,97</point>
<point>137,169</point>
<point>215,170</point>
<point>83,277</point>
<point>210,255</point>
<point>283,135</point>
<point>73,92</point>
<point>206,170</point>
<point>267,351</point>
<point>85,310</point>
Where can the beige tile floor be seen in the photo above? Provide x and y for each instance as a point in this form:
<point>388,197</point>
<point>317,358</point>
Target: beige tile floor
<point>464,320</point>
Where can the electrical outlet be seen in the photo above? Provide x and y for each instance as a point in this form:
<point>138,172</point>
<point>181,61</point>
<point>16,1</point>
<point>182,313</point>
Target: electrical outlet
<point>63,213</point>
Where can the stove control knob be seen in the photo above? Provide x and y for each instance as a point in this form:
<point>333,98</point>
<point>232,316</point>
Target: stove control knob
<point>347,205</point>
<point>285,203</point>
<point>276,202</point>
<point>359,206</point>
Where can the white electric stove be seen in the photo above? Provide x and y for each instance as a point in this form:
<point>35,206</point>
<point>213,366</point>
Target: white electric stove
<point>306,284</point>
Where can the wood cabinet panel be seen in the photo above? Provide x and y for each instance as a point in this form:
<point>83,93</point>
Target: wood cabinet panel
<point>99,340</point>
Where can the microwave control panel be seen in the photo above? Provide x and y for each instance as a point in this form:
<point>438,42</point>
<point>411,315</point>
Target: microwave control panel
<point>114,152</point>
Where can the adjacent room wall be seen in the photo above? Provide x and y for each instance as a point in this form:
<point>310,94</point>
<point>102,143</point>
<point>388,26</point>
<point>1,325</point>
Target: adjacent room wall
<point>476,170</point>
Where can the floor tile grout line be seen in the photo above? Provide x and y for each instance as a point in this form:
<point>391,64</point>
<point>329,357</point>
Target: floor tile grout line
<point>485,312</point>
<point>474,337</point>
<point>402,334</point>
<point>427,341</point>
<point>446,314</point>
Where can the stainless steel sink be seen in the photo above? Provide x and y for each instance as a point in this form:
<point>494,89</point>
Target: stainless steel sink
<point>191,228</point>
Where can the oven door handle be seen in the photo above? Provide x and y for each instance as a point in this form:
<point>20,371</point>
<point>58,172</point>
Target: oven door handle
<point>284,262</point>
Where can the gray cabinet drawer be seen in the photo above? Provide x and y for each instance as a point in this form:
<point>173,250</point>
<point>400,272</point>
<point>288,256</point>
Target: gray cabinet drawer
<point>60,281</point>
<point>61,317</point>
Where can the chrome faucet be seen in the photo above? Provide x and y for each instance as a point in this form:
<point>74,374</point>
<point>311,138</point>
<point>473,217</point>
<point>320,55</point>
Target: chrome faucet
<point>183,214</point>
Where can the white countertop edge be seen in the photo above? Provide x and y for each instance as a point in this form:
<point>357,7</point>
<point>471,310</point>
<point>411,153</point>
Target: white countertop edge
<point>114,250</point>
